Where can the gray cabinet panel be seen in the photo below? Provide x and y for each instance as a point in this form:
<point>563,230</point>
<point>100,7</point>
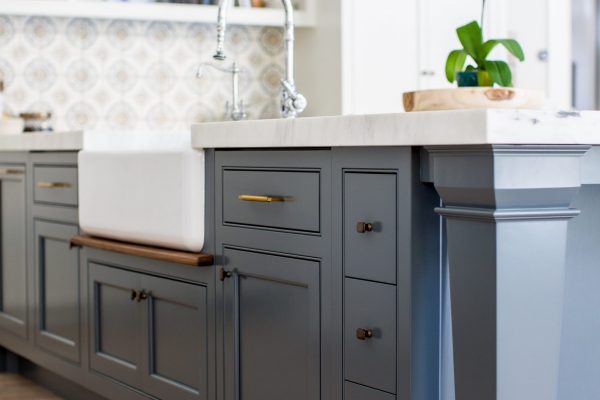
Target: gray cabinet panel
<point>371,361</point>
<point>13,267</point>
<point>57,287</point>
<point>299,212</point>
<point>370,198</point>
<point>115,324</point>
<point>359,392</point>
<point>176,322</point>
<point>55,185</point>
<point>272,327</point>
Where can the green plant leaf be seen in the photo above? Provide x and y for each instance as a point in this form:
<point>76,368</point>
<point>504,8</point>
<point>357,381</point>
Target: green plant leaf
<point>511,45</point>
<point>455,63</point>
<point>499,72</point>
<point>471,38</point>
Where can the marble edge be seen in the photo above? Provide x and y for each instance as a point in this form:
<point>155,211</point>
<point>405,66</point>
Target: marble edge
<point>464,127</point>
<point>55,141</point>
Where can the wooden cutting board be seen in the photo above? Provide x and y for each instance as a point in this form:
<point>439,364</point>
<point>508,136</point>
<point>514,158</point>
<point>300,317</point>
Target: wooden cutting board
<point>473,98</point>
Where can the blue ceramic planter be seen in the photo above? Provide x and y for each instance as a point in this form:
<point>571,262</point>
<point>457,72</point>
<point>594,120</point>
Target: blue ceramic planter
<point>467,79</point>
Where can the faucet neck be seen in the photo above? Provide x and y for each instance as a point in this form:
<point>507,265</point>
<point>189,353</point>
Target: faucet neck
<point>292,102</point>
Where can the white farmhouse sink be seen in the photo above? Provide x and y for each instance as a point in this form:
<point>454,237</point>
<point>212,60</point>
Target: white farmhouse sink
<point>142,188</point>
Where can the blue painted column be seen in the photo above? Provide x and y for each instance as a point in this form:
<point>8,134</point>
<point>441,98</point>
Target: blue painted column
<point>507,210</point>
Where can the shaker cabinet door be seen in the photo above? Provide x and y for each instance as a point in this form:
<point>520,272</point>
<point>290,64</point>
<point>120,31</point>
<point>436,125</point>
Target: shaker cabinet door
<point>116,327</point>
<point>13,250</point>
<point>57,290</point>
<point>176,324</point>
<point>272,327</point>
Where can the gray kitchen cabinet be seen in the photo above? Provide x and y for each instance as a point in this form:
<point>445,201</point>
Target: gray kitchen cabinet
<point>149,333</point>
<point>370,226</point>
<point>13,267</point>
<point>272,326</point>
<point>57,289</point>
<point>115,324</point>
<point>359,392</point>
<point>370,334</point>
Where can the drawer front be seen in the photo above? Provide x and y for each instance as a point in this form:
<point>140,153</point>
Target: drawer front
<point>370,248</point>
<point>55,185</point>
<point>359,392</point>
<point>370,355</point>
<point>275,199</point>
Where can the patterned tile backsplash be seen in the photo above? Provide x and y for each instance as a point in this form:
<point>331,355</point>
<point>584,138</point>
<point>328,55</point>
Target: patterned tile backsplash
<point>117,74</point>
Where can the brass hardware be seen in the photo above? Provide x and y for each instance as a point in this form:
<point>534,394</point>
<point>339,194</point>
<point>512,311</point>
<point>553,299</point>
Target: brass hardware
<point>143,296</point>
<point>137,295</point>
<point>53,185</point>
<point>8,172</point>
<point>224,274</point>
<point>364,334</point>
<point>261,199</point>
<point>363,227</point>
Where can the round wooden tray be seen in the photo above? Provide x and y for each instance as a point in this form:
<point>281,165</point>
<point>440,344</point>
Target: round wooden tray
<point>473,98</point>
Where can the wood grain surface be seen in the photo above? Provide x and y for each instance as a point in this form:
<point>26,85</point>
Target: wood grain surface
<point>155,253</point>
<point>17,387</point>
<point>473,98</point>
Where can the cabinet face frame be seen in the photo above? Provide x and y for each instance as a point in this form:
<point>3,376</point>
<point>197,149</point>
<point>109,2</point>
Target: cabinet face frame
<point>46,232</point>
<point>16,175</point>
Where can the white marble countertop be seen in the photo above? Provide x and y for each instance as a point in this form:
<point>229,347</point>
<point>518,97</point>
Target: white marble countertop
<point>55,141</point>
<point>465,127</point>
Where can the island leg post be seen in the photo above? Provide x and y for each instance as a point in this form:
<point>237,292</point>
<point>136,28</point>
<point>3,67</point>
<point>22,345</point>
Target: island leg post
<point>507,210</point>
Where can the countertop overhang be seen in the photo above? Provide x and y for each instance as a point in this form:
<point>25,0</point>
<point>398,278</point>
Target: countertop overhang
<point>53,141</point>
<point>465,127</point>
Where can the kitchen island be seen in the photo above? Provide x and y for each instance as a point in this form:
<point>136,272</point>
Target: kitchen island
<point>414,256</point>
<point>517,195</point>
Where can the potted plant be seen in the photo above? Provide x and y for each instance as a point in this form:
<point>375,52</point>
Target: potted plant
<point>476,75</point>
<point>485,72</point>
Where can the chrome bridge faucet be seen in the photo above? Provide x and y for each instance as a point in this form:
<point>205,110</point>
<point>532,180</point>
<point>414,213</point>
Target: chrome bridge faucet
<point>292,102</point>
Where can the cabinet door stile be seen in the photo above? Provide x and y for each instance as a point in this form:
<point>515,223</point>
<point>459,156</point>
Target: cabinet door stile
<point>13,251</point>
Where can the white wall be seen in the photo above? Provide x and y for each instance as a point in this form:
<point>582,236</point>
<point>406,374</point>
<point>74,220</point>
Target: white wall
<point>364,54</point>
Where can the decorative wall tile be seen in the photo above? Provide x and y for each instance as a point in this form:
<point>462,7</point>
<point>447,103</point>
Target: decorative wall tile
<point>82,33</point>
<point>7,30</point>
<point>40,31</point>
<point>117,74</point>
<point>40,74</point>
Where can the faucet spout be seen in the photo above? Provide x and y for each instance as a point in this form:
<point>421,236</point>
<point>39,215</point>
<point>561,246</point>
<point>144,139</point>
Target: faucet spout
<point>292,102</point>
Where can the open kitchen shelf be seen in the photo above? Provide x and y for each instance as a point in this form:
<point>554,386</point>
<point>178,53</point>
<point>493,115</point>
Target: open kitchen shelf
<point>154,11</point>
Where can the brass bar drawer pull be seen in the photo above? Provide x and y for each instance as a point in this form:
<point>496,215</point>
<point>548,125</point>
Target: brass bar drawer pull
<point>364,334</point>
<point>261,199</point>
<point>11,172</point>
<point>364,227</point>
<point>53,185</point>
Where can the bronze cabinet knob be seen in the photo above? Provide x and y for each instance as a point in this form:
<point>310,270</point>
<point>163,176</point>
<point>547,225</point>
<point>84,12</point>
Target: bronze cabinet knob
<point>137,295</point>
<point>363,227</point>
<point>224,274</point>
<point>364,334</point>
<point>143,296</point>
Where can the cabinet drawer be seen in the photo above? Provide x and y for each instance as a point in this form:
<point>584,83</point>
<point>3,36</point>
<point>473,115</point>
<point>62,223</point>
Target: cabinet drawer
<point>370,355</point>
<point>55,185</point>
<point>359,392</point>
<point>276,199</point>
<point>370,249</point>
